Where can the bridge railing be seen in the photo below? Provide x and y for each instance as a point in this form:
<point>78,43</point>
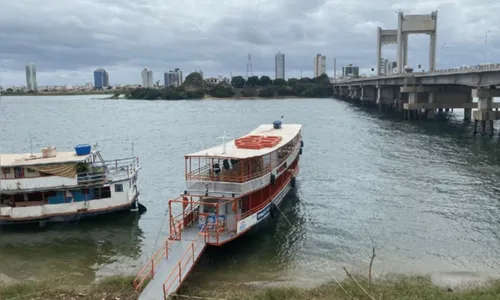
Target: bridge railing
<point>460,70</point>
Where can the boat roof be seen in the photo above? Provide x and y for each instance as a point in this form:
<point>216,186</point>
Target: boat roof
<point>26,159</point>
<point>287,132</point>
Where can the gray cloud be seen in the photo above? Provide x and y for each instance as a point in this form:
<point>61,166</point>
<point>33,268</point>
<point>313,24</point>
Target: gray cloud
<point>68,40</point>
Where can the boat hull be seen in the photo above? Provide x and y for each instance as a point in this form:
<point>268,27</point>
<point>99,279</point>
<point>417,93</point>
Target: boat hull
<point>133,205</point>
<point>266,214</point>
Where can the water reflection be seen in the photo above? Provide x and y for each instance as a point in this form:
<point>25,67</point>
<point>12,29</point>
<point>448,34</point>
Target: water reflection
<point>78,252</point>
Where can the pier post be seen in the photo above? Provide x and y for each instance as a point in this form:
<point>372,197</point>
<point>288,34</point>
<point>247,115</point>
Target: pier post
<point>385,98</point>
<point>368,95</point>
<point>484,112</point>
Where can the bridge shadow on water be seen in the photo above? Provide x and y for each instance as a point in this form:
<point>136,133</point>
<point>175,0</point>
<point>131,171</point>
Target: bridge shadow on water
<point>261,254</point>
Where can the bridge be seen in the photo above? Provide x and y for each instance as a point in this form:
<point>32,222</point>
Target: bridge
<point>419,95</point>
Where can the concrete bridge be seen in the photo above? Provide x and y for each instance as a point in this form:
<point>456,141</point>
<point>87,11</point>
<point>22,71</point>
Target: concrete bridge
<point>420,95</point>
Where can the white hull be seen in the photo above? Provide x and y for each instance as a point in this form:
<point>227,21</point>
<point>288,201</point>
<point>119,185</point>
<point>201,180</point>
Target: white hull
<point>64,211</point>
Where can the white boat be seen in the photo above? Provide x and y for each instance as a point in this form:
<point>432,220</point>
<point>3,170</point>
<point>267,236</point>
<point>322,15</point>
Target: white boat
<point>54,186</point>
<point>231,189</point>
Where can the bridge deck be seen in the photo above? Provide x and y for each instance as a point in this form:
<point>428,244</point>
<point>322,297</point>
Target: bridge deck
<point>182,256</point>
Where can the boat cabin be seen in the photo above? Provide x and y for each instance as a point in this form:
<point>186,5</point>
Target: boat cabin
<point>241,161</point>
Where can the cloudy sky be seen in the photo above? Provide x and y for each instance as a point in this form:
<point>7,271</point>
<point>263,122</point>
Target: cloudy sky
<point>68,39</point>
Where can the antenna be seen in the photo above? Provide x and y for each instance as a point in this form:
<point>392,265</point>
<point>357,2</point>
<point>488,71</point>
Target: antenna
<point>132,149</point>
<point>249,65</point>
<point>224,137</point>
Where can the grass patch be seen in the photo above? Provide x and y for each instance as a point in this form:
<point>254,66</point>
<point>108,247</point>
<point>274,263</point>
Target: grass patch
<point>118,287</point>
<point>397,288</point>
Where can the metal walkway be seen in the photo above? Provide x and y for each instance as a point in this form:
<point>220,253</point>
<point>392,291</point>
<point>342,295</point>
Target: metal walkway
<point>171,272</point>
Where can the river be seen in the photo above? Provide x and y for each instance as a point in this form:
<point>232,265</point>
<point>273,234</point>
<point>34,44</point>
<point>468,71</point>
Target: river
<point>427,193</point>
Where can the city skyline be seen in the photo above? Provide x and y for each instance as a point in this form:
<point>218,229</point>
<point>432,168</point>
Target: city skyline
<point>79,41</point>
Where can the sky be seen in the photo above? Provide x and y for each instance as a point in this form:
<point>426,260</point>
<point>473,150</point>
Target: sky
<point>69,39</point>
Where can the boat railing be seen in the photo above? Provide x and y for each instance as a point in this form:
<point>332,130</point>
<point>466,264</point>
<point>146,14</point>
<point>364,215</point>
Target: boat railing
<point>149,269</point>
<point>86,178</point>
<point>187,260</point>
<point>118,169</point>
<point>189,216</point>
<point>206,173</point>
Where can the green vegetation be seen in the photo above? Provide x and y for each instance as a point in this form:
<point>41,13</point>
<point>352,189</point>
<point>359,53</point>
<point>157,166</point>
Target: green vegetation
<point>396,288</point>
<point>194,87</point>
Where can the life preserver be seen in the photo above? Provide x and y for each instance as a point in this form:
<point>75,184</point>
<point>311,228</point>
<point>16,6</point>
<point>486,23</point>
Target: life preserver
<point>272,210</point>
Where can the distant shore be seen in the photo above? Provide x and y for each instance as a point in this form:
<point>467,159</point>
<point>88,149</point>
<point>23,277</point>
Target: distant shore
<point>62,93</point>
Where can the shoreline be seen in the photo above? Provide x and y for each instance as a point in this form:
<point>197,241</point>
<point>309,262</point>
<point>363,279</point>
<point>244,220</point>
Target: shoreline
<point>353,287</point>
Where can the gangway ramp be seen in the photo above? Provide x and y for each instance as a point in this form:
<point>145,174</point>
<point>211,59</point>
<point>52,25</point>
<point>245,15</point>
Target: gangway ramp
<point>170,265</point>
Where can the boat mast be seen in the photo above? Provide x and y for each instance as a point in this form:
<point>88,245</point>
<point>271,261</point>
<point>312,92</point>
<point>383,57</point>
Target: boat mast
<point>224,137</point>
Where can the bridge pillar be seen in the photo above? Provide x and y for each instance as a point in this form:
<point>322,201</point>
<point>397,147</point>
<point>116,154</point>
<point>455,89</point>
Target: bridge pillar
<point>368,95</point>
<point>355,93</point>
<point>484,112</point>
<point>385,98</point>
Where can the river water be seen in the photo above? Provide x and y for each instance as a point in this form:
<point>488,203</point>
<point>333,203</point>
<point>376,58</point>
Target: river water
<point>427,193</point>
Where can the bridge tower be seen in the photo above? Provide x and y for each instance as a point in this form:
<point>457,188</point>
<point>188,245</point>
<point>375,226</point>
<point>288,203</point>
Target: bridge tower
<point>384,37</point>
<point>416,24</point>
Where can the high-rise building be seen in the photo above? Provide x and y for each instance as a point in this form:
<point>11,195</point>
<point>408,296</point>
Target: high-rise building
<point>170,79</point>
<point>350,71</point>
<point>147,78</point>
<point>101,79</point>
<point>173,78</point>
<point>31,84</point>
<point>279,66</point>
<point>319,65</point>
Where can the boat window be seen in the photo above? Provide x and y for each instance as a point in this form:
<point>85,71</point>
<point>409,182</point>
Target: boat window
<point>31,170</point>
<point>6,170</point>
<point>118,187</point>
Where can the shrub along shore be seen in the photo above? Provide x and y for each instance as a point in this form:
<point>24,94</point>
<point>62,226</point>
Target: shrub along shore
<point>194,87</point>
<point>397,288</point>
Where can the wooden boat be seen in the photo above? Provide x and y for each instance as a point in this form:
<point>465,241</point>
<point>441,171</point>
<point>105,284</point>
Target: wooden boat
<point>230,189</point>
<point>68,186</point>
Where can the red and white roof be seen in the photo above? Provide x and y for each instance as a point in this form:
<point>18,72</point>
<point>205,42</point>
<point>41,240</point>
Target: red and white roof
<point>287,132</point>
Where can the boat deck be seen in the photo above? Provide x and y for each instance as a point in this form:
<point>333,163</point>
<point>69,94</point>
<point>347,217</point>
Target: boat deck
<point>172,271</point>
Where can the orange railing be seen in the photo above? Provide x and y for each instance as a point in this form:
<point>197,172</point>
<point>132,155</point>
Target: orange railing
<point>149,269</point>
<point>188,257</point>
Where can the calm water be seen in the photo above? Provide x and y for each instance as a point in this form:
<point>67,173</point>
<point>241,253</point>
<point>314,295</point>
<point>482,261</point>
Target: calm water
<point>427,193</point>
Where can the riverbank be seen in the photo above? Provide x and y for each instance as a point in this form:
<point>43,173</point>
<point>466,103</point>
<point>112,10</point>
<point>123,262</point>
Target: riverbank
<point>399,287</point>
<point>63,93</point>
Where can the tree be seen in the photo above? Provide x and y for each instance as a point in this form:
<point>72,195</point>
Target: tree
<point>269,91</point>
<point>193,80</point>
<point>222,91</point>
<point>238,82</point>
<point>265,80</point>
<point>322,79</point>
<point>292,81</point>
<point>253,81</point>
<point>279,82</point>
<point>249,92</point>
